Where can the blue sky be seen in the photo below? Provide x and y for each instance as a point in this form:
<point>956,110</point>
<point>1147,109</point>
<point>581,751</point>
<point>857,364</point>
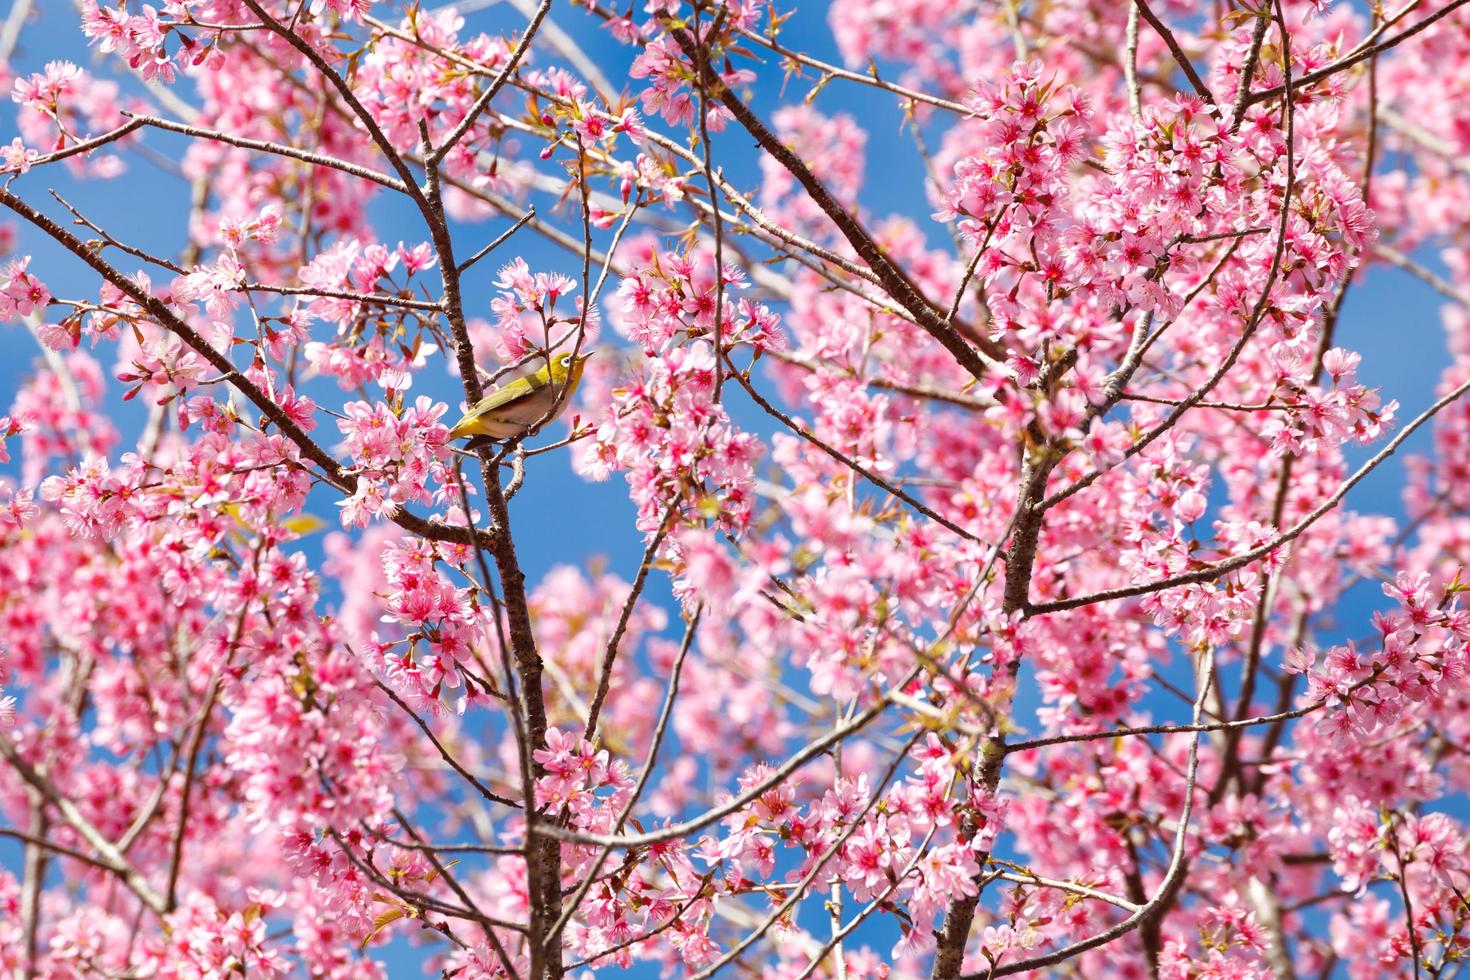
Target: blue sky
<point>1391,318</point>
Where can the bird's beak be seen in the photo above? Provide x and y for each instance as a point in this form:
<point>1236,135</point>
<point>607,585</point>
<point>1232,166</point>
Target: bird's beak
<point>583,357</point>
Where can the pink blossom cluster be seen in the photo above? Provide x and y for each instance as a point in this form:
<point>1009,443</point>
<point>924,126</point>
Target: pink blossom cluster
<point>396,454</point>
<point>21,293</point>
<point>441,628</point>
<point>667,430</point>
<point>61,106</point>
<point>990,576</point>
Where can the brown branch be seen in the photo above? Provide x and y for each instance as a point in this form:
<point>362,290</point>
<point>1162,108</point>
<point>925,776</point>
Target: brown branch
<point>833,71</point>
<point>379,299</point>
<point>1223,406</point>
<point>1180,57</point>
<point>422,901</point>
<point>1028,877</point>
<point>1225,566</point>
<point>444,752</point>
<point>847,460</point>
<point>977,362</point>
<point>449,879</point>
<point>610,653</point>
<point>702,78</point>
<point>1358,56</point>
<point>499,240</point>
<point>799,888</point>
<point>1248,69</point>
<point>1402,880</point>
<point>1173,876</point>
<point>655,742</point>
<point>196,742</point>
<point>543,854</point>
<point>265,146</point>
<point>160,312</point>
<point>107,853</point>
<point>928,392</point>
<point>1038,743</point>
<point>85,146</point>
<point>459,131</point>
<point>813,749</point>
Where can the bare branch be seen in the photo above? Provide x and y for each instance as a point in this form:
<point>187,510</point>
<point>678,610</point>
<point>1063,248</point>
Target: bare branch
<point>610,653</point>
<point>500,240</point>
<point>444,752</point>
<point>266,146</point>
<point>833,71</point>
<point>848,461</point>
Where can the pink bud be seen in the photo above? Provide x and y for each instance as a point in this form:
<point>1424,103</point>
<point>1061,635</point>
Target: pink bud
<point>1191,506</point>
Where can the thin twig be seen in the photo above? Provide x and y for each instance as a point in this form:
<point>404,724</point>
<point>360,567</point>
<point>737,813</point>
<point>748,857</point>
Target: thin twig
<point>799,888</point>
<point>848,461</point>
<point>1359,56</point>
<point>660,728</point>
<point>1180,57</point>
<point>833,71</point>
<point>458,133</point>
<point>264,146</point>
<point>1215,569</point>
<point>817,747</point>
<point>610,652</point>
<point>444,753</point>
<point>499,241</point>
<point>1038,743</point>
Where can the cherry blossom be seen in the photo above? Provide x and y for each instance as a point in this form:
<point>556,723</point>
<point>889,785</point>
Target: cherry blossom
<point>995,593</point>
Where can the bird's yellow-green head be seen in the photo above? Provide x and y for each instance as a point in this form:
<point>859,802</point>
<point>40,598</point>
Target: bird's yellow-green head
<point>566,369</point>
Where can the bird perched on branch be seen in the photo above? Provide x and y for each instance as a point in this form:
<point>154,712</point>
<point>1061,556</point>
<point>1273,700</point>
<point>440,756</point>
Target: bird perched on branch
<point>519,406</point>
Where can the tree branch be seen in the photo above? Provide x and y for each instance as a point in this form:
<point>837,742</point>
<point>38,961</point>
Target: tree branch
<point>977,362</point>
<point>107,853</point>
<point>165,317</point>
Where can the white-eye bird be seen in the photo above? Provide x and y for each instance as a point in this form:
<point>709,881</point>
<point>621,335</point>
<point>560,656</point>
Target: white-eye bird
<point>514,408</point>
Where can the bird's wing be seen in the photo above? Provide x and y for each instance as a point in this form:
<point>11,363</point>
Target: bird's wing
<point>506,394</point>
